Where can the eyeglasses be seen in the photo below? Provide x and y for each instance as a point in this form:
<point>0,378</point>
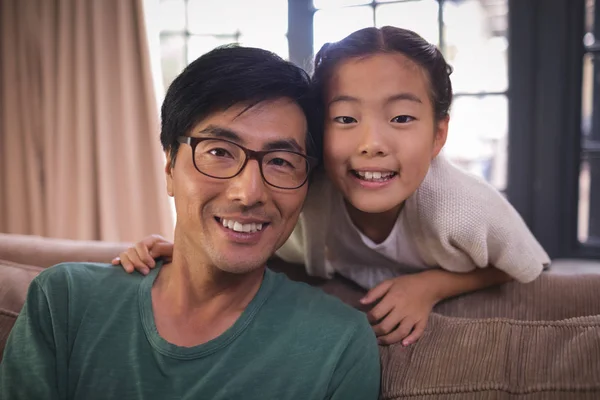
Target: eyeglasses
<point>222,159</point>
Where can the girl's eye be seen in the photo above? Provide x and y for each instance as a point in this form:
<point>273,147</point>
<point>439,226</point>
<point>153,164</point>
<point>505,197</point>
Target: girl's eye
<point>402,119</point>
<point>345,120</point>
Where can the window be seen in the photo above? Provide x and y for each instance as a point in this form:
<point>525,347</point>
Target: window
<point>478,134</point>
<point>588,231</point>
<point>190,28</point>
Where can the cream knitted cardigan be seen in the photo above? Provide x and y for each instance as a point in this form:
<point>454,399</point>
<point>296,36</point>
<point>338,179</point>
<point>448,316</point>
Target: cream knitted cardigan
<point>457,221</point>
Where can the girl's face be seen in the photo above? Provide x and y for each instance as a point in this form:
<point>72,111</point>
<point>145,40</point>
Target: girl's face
<point>380,130</point>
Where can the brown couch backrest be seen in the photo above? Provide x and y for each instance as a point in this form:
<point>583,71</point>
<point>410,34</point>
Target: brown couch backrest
<point>14,281</point>
<point>45,252</point>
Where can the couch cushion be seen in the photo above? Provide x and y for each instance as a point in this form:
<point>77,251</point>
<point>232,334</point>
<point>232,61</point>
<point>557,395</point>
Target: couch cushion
<point>14,281</point>
<point>462,358</point>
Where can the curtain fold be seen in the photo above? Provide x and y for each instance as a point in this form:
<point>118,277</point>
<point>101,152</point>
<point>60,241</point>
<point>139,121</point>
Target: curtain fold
<point>79,130</point>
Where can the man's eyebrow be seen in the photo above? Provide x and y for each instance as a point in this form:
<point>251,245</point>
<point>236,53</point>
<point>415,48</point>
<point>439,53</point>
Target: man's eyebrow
<point>284,144</point>
<point>221,133</point>
<point>404,97</point>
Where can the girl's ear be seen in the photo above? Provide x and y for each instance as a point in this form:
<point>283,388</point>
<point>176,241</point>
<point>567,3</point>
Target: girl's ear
<point>169,173</point>
<point>441,134</point>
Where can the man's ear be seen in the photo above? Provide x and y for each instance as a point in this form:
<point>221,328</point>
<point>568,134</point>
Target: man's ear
<point>441,134</point>
<point>169,173</point>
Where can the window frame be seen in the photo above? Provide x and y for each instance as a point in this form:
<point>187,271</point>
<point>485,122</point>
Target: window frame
<point>545,74</point>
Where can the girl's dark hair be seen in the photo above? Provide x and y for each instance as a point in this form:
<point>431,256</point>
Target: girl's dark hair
<point>388,39</point>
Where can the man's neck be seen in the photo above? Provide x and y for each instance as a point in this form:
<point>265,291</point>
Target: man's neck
<point>194,302</point>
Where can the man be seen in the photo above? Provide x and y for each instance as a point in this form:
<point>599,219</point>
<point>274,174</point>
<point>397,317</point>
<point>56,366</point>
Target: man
<point>215,323</point>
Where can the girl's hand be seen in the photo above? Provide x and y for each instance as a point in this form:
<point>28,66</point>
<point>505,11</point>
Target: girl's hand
<point>141,256</point>
<point>403,308</point>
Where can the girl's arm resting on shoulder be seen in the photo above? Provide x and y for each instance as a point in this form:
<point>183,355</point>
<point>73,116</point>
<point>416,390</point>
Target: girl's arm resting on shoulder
<point>140,257</point>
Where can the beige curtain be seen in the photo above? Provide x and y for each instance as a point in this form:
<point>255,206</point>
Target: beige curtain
<point>80,155</point>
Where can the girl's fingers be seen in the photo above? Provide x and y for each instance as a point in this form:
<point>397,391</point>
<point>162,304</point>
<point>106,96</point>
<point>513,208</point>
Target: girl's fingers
<point>388,324</point>
<point>416,333</point>
<point>380,311</point>
<point>126,264</point>
<point>377,292</point>
<point>144,254</point>
<point>398,334</point>
<point>134,259</point>
<point>162,249</point>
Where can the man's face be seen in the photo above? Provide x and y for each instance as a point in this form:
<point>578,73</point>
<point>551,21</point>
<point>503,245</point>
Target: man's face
<point>204,204</point>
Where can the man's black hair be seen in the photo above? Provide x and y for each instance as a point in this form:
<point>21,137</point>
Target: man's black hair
<point>228,76</point>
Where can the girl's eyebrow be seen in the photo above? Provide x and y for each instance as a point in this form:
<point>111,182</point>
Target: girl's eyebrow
<point>404,96</point>
<point>343,97</point>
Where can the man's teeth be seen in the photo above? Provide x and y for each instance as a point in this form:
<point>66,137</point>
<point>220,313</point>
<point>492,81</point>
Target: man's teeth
<point>239,227</point>
<point>371,176</point>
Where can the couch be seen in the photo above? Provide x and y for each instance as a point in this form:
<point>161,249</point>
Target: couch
<point>535,341</point>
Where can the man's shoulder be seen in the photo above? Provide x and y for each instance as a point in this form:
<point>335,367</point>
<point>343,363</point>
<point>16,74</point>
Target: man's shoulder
<point>84,277</point>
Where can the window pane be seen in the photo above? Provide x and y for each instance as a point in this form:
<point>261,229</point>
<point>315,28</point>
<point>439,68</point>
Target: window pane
<point>173,61</point>
<point>477,50</point>
<point>276,44</point>
<point>231,16</point>
<point>589,15</point>
<point>333,25</point>
<point>589,178</point>
<point>419,16</point>
<point>266,17</point>
<point>338,3</point>
<point>198,45</point>
<point>589,198</point>
<point>478,137</point>
<point>583,220</point>
<point>587,96</point>
<point>172,14</point>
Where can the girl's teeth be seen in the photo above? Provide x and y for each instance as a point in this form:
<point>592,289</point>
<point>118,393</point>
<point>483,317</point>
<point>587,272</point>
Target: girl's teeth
<point>239,227</point>
<point>371,176</point>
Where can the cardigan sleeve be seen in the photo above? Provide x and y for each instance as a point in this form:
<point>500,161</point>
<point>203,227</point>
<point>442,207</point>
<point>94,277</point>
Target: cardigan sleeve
<point>460,222</point>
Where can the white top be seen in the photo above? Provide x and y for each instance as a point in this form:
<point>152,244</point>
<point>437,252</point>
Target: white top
<point>350,253</point>
<point>456,221</point>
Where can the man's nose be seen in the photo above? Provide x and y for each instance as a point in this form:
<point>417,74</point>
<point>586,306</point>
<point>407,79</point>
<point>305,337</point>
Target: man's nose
<point>373,143</point>
<point>248,188</point>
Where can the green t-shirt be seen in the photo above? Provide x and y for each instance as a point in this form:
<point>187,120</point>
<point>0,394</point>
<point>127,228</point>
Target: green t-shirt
<point>87,332</point>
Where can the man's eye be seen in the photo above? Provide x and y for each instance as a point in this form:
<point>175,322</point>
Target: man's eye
<point>280,162</point>
<point>218,152</point>
<point>402,119</point>
<point>345,120</point>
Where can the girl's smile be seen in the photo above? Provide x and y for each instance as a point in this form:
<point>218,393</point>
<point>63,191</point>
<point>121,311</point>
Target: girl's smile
<point>380,131</point>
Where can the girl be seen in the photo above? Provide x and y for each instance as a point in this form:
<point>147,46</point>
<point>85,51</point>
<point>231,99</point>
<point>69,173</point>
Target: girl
<point>390,213</point>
